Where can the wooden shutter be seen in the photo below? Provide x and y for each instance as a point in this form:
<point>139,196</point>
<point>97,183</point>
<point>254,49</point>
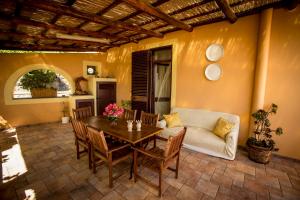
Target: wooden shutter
<point>141,81</point>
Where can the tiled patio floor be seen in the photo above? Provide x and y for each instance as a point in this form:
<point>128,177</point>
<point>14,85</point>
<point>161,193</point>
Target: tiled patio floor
<point>39,162</point>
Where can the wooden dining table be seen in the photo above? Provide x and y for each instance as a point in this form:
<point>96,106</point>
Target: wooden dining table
<point>120,131</point>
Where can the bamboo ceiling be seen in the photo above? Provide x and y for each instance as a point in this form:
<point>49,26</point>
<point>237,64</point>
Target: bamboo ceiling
<point>35,24</point>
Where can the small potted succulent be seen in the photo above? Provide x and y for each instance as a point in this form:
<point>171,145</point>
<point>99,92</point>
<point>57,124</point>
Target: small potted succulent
<point>65,118</point>
<point>40,83</point>
<point>261,145</point>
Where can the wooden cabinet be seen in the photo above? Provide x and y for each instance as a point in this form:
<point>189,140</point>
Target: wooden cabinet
<point>80,103</point>
<point>105,94</point>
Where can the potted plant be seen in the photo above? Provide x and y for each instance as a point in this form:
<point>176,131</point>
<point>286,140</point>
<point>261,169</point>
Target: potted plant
<point>126,104</point>
<point>65,118</point>
<point>40,83</point>
<point>260,146</point>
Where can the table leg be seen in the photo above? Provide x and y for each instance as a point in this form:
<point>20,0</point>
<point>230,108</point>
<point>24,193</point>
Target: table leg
<point>131,166</point>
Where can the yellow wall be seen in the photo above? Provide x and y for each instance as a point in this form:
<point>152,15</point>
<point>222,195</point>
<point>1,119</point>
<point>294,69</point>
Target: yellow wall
<point>283,85</point>
<point>43,112</point>
<point>232,93</point>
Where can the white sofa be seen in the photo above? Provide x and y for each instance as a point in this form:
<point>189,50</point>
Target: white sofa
<point>199,136</point>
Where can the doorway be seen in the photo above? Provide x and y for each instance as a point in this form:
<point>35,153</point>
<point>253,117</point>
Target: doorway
<point>152,80</point>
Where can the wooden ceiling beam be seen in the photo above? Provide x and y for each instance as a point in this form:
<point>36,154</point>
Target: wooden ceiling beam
<point>153,11</point>
<point>18,20</point>
<point>177,12</point>
<point>109,7</point>
<point>70,2</point>
<point>227,10</point>
<point>291,4</point>
<point>155,4</point>
<point>16,46</point>
<point>215,10</point>
<point>40,37</point>
<point>103,11</point>
<point>66,10</point>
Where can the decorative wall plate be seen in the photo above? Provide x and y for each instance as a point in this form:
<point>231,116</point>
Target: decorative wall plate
<point>213,72</point>
<point>214,52</point>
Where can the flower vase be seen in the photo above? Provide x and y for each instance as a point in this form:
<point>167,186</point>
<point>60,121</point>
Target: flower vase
<point>113,121</point>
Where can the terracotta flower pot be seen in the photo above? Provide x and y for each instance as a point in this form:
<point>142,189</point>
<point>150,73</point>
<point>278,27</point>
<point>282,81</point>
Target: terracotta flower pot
<point>43,92</point>
<point>259,154</point>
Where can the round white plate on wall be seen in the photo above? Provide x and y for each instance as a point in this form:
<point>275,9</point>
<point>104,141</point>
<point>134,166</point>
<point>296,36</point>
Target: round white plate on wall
<point>213,72</point>
<point>214,52</point>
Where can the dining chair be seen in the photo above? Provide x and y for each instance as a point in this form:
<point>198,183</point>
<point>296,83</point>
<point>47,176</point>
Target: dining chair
<point>81,139</point>
<point>151,120</point>
<point>82,113</point>
<point>129,114</point>
<point>159,159</point>
<point>107,151</point>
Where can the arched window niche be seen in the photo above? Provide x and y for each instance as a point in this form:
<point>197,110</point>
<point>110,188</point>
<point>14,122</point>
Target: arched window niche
<point>14,94</point>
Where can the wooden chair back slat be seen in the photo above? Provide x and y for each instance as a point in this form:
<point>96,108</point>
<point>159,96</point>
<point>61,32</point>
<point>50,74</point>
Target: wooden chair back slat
<point>129,114</point>
<point>149,119</point>
<point>98,141</point>
<point>174,144</point>
<point>82,113</point>
<point>79,129</point>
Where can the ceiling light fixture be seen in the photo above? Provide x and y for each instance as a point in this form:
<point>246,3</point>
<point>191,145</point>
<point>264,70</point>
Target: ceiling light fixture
<point>82,38</point>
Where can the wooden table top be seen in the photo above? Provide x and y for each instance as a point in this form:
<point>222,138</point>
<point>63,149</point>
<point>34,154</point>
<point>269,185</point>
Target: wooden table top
<point>120,130</point>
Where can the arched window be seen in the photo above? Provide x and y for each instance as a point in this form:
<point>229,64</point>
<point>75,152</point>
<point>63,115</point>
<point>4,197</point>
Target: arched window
<point>60,83</point>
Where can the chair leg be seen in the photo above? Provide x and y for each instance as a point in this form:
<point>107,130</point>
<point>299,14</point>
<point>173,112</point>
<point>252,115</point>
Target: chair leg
<point>77,149</point>
<point>110,170</point>
<point>154,142</point>
<point>177,166</point>
<point>93,161</point>
<point>135,164</point>
<point>159,182</point>
<point>90,159</point>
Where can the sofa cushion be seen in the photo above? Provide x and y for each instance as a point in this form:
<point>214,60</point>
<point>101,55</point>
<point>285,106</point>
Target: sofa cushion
<point>173,120</point>
<point>222,128</point>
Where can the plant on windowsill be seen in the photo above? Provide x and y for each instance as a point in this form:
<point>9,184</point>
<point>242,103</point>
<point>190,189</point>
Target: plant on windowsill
<point>260,146</point>
<point>40,83</point>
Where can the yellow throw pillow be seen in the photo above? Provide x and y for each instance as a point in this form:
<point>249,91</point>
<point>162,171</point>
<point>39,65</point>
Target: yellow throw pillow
<point>222,127</point>
<point>173,120</point>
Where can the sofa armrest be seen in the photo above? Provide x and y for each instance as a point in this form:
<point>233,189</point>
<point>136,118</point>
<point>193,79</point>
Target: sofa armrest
<point>162,124</point>
<point>231,143</point>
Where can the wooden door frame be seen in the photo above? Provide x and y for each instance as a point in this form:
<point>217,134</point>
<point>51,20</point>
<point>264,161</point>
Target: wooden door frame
<point>152,95</point>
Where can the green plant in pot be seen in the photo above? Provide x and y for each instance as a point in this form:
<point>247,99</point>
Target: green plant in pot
<point>40,83</point>
<point>65,118</point>
<point>126,104</point>
<point>260,146</point>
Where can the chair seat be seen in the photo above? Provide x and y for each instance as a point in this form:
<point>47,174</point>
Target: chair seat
<point>150,162</point>
<point>121,153</point>
<point>117,154</point>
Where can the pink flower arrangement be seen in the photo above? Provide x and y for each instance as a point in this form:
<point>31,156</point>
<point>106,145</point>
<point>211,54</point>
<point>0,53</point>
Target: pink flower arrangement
<point>113,111</point>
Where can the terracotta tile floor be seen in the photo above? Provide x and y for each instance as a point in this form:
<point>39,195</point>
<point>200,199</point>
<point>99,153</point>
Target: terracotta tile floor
<point>38,162</point>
